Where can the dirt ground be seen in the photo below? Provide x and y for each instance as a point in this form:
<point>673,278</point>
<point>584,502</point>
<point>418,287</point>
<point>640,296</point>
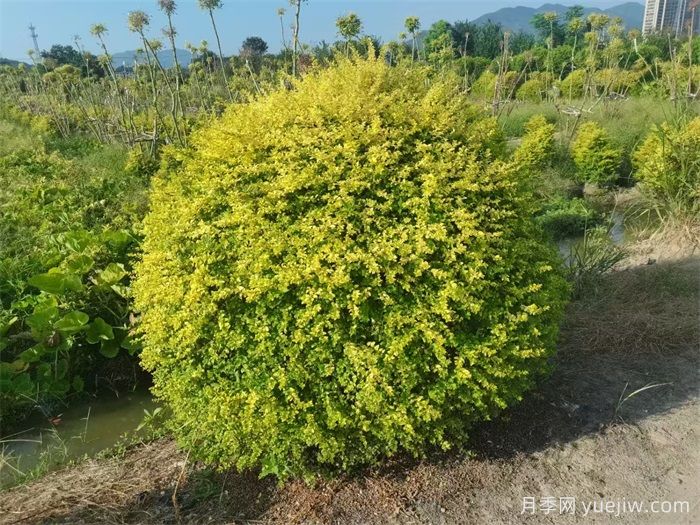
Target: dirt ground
<point>576,437</point>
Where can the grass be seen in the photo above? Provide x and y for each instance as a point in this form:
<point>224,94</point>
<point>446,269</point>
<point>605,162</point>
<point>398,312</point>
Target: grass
<point>643,308</point>
<point>16,137</point>
<point>627,121</point>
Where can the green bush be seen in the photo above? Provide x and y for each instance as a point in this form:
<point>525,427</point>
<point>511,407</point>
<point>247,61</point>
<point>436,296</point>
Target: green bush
<point>485,85</point>
<point>340,272</point>
<point>537,147</point>
<point>574,85</point>
<point>563,218</point>
<point>65,236</point>
<point>668,164</point>
<point>597,160</point>
<point>536,88</point>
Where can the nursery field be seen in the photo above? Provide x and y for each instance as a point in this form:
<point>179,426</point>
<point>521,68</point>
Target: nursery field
<point>434,280</point>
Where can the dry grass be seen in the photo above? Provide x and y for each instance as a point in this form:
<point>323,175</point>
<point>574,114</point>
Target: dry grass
<point>108,485</point>
<point>652,308</point>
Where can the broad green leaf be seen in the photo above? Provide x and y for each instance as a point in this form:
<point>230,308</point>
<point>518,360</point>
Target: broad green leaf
<point>99,330</point>
<point>56,282</point>
<point>61,368</point>
<point>72,322</point>
<point>78,240</point>
<point>109,348</point>
<point>130,344</point>
<point>44,372</point>
<point>80,264</point>
<point>33,354</point>
<point>59,387</point>
<point>78,384</point>
<point>111,275</point>
<point>121,290</point>
<point>42,318</point>
<point>5,326</point>
<point>117,238</point>
<point>23,384</point>
<point>7,370</point>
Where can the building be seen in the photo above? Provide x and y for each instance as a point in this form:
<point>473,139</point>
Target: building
<point>671,16</point>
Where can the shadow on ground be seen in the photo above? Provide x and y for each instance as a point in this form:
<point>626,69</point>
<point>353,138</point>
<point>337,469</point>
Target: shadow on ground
<point>638,328</point>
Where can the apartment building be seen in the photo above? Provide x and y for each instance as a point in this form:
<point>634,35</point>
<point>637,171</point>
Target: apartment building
<point>671,16</point>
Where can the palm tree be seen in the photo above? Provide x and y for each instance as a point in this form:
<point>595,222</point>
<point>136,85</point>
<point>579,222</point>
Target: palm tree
<point>349,26</point>
<point>281,11</point>
<point>169,7</point>
<point>138,21</point>
<point>412,25</point>
<point>98,31</point>
<point>210,5</point>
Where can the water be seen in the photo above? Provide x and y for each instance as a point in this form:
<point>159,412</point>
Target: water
<point>617,231</point>
<point>84,429</point>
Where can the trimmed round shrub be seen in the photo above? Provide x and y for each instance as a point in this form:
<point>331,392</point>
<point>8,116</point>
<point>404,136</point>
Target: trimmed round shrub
<point>485,85</point>
<point>574,85</point>
<point>597,160</point>
<point>341,272</point>
<point>668,163</point>
<point>537,148</point>
<point>536,88</point>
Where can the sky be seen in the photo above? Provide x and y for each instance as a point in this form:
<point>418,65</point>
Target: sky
<point>57,21</point>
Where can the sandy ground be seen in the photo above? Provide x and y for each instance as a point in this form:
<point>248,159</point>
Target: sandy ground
<point>572,438</point>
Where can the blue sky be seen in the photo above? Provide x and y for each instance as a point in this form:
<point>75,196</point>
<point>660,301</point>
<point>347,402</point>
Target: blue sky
<point>58,20</point>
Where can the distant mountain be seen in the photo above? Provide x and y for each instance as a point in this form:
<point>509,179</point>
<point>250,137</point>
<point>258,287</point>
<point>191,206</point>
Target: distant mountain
<point>13,63</point>
<point>518,18</point>
<point>127,58</point>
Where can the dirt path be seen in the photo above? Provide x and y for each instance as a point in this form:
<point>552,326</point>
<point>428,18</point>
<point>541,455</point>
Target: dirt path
<point>570,439</point>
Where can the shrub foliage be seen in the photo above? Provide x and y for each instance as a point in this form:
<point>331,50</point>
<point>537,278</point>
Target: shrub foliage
<point>340,272</point>
<point>66,232</point>
<point>597,160</point>
<point>668,163</point>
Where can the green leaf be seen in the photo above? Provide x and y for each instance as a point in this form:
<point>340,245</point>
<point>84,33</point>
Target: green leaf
<point>7,370</point>
<point>109,349</point>
<point>80,264</point>
<point>44,372</point>
<point>78,240</point>
<point>56,282</point>
<point>98,331</point>
<point>42,318</point>
<point>61,368</point>
<point>117,238</point>
<point>59,387</point>
<point>130,344</point>
<point>269,467</point>
<point>111,275</point>
<point>72,322</point>
<point>23,384</point>
<point>5,326</point>
<point>33,354</point>
<point>78,384</point>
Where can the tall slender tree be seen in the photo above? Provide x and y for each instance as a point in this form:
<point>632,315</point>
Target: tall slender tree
<point>412,25</point>
<point>296,4</point>
<point>168,7</point>
<point>349,27</point>
<point>209,6</point>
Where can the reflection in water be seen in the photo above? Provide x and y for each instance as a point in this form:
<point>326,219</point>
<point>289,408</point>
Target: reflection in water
<point>617,231</point>
<point>83,429</point>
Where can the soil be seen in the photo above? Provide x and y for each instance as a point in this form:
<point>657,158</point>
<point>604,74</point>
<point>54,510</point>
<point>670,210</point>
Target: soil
<point>575,437</point>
